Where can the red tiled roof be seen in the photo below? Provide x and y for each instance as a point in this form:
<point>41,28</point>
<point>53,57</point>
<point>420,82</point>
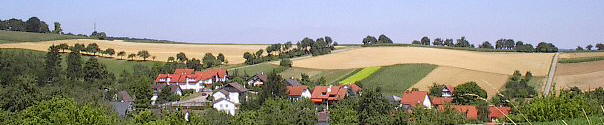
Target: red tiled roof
<point>499,112</point>
<point>173,77</point>
<point>296,90</point>
<point>413,98</point>
<point>183,71</point>
<point>320,93</point>
<point>355,88</point>
<point>470,111</point>
<point>209,74</point>
<point>441,100</point>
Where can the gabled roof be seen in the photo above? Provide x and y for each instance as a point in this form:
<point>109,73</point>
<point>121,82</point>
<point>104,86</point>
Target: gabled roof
<point>262,77</point>
<point>183,71</point>
<point>223,99</point>
<point>413,98</point>
<point>296,90</point>
<point>470,111</point>
<point>235,87</point>
<point>330,93</point>
<point>292,82</point>
<point>441,100</point>
<point>499,112</point>
<point>125,96</point>
<point>450,88</point>
<point>173,78</point>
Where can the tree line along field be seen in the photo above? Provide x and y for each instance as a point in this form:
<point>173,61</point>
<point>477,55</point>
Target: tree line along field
<point>112,65</point>
<point>14,37</point>
<point>233,53</point>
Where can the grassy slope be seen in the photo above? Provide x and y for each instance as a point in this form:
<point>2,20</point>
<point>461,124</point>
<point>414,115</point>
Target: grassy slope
<point>112,65</point>
<point>595,120</point>
<point>255,69</point>
<point>12,37</point>
<point>365,73</point>
<point>395,79</point>
<point>330,75</point>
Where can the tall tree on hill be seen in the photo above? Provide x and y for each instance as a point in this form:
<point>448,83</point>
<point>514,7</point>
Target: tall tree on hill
<point>306,43</point>
<point>110,51</point>
<point>209,60</point>
<point>416,42</point>
<point>93,70</point>
<point>74,65</point>
<point>425,40</point>
<point>462,42</point>
<point>52,66</point>
<point>438,42</point>
<point>374,108</point>
<point>121,54</point>
<point>93,48</point>
<point>58,29</point>
<point>63,47</point>
<point>369,40</point>
<point>589,47</point>
<point>499,44</point>
<point>221,58</point>
<point>16,25</point>
<point>181,57</point>
<point>259,53</point>
<point>143,54</point>
<point>449,42</point>
<point>468,93</point>
<point>131,56</point>
<point>384,39</point>
<point>485,45</point>
<point>274,88</point>
<point>33,24</point>
<point>546,47</point>
<point>579,48</point>
<point>600,46</point>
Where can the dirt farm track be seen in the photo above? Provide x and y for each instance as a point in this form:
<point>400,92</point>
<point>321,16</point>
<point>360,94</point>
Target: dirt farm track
<point>233,53</point>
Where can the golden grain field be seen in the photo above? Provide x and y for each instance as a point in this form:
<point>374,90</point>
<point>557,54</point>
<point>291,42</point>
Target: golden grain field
<point>493,62</point>
<point>490,82</point>
<point>585,75</point>
<point>233,53</point>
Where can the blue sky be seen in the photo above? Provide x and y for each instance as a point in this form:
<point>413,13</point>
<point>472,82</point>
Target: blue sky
<point>566,23</point>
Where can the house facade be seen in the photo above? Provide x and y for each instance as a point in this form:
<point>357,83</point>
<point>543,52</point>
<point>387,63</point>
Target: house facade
<point>225,105</point>
<point>298,92</point>
<point>411,99</point>
<point>229,97</point>
<point>258,80</point>
<point>188,79</point>
<point>448,91</point>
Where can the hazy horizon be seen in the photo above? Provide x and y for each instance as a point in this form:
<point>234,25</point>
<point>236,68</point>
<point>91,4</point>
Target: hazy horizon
<point>565,23</point>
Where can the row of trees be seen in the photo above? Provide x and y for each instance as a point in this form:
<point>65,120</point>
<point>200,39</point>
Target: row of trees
<point>590,47</point>
<point>208,61</point>
<point>33,24</point>
<point>306,46</point>
<point>501,44</point>
<point>461,42</point>
<point>382,39</point>
<point>94,48</point>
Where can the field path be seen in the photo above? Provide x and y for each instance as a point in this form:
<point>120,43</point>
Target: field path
<point>276,62</point>
<point>550,78</point>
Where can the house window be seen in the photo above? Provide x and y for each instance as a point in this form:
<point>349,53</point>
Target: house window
<point>323,93</point>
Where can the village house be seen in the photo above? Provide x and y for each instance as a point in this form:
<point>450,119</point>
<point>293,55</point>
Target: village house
<point>228,98</point>
<point>438,101</point>
<point>411,99</point>
<point>124,104</point>
<point>188,79</point>
<point>258,80</point>
<point>330,94</point>
<point>292,82</point>
<point>470,111</point>
<point>498,112</point>
<point>298,92</point>
<point>448,91</point>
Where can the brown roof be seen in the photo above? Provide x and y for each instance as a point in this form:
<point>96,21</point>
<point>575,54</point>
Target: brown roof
<point>441,100</point>
<point>355,88</point>
<point>413,98</point>
<point>320,93</point>
<point>451,88</point>
<point>235,87</point>
<point>125,96</point>
<point>499,112</point>
<point>470,111</point>
<point>262,77</point>
<point>296,90</point>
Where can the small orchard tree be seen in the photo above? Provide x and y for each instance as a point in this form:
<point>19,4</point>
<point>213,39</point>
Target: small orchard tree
<point>121,54</point>
<point>286,62</point>
<point>170,59</point>
<point>181,57</point>
<point>63,47</point>
<point>221,58</point>
<point>110,51</point>
<point>143,54</point>
<point>469,93</point>
<point>131,56</point>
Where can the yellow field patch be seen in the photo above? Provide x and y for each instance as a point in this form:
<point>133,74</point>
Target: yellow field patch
<point>490,82</point>
<point>233,53</point>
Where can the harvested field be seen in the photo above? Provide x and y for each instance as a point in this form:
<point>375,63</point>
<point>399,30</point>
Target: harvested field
<point>492,62</point>
<point>233,53</point>
<point>491,82</point>
<point>585,75</point>
<point>331,75</point>
<point>581,54</point>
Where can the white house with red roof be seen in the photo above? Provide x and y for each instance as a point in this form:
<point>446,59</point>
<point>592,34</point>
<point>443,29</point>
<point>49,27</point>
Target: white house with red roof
<point>189,79</point>
<point>412,99</point>
<point>298,92</point>
<point>448,91</point>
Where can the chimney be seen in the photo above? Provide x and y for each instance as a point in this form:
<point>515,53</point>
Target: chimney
<point>329,89</point>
